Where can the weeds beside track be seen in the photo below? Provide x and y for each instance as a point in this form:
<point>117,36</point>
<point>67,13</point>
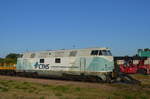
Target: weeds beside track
<point>29,88</point>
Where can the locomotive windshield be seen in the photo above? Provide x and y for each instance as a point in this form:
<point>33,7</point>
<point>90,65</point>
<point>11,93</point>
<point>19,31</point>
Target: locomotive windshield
<point>106,53</point>
<point>101,52</point>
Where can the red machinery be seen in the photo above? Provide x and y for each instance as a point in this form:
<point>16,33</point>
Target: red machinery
<point>143,68</point>
<point>130,68</point>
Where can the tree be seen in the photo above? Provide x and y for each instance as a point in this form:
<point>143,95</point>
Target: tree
<point>12,58</point>
<point>1,60</point>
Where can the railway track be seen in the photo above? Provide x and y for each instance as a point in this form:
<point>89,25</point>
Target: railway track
<point>72,78</point>
<point>121,78</point>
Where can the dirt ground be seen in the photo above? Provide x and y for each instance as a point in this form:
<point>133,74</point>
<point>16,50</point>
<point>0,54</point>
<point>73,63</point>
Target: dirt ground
<point>33,88</point>
<point>56,82</point>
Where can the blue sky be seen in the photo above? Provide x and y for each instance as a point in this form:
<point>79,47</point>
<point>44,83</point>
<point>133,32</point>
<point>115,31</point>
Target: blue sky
<point>32,25</point>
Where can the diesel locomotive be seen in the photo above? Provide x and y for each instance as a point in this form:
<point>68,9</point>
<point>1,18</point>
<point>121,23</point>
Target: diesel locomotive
<point>97,62</point>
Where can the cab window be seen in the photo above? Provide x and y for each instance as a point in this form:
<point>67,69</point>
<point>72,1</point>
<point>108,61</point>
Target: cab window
<point>100,52</point>
<point>106,53</point>
<point>109,53</point>
<point>94,52</point>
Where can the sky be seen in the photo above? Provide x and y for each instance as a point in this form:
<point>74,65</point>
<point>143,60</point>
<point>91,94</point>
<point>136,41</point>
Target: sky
<point>33,25</point>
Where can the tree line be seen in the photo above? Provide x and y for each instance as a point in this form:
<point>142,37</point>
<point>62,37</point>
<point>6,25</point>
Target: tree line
<point>10,58</point>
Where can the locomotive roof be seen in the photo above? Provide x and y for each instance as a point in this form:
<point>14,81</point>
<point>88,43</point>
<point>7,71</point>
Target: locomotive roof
<point>93,48</point>
<point>61,53</point>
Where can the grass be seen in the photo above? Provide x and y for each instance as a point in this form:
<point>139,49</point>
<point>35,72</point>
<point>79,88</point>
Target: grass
<point>26,90</point>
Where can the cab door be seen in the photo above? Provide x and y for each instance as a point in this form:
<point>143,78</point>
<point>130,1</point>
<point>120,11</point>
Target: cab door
<point>82,64</point>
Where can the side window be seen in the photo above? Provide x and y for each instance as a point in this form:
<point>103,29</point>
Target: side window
<point>57,60</point>
<point>32,55</point>
<point>73,53</point>
<point>94,52</point>
<point>41,60</point>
